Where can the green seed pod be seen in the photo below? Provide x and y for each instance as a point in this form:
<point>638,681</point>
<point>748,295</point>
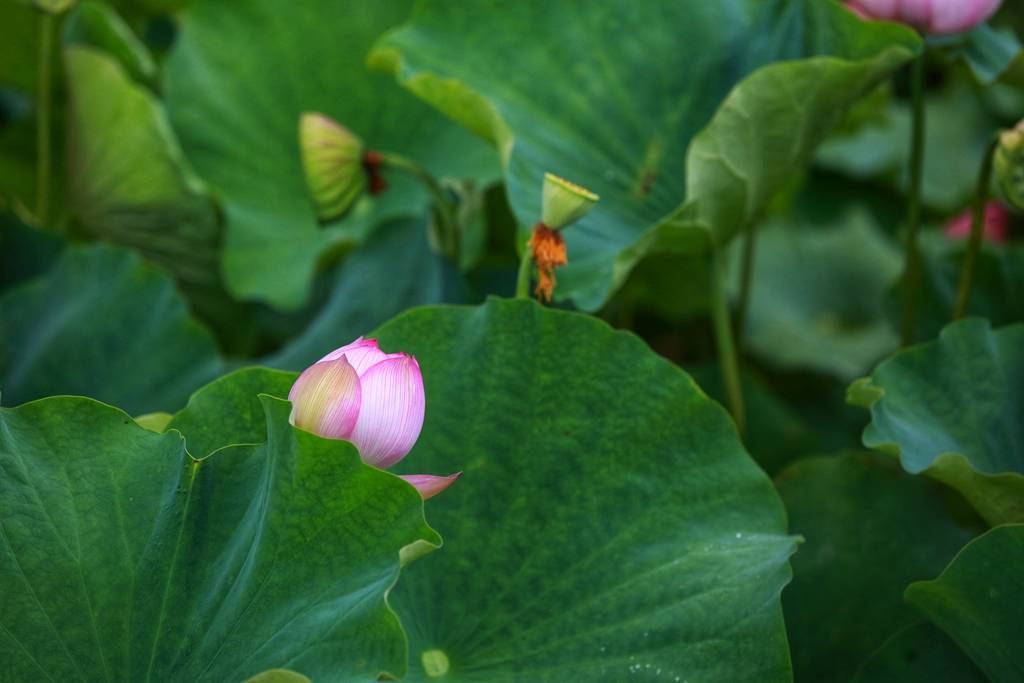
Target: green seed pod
<point>563,203</point>
<point>332,160</point>
<point>1009,165</point>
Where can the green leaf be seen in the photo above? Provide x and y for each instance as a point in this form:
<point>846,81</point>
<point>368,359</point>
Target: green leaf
<point>611,95</point>
<point>129,183</point>
<point>240,75</point>
<point>392,271</point>
<point>977,601</point>
<point>97,25</point>
<point>124,559</point>
<point>229,411</point>
<point>776,432</point>
<point>870,529</point>
<point>102,324</point>
<point>997,291</point>
<point>25,252</point>
<point>957,134</point>
<point>951,408</point>
<point>919,654</point>
<point>802,312</point>
<point>279,676</point>
<point>608,522</point>
<point>989,52</point>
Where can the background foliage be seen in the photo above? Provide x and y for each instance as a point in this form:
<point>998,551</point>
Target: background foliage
<point>160,520</point>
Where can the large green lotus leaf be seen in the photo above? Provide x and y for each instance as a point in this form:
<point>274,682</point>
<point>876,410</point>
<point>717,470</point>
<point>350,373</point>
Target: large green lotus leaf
<point>122,558</point>
<point>228,410</point>
<point>611,95</point>
<point>240,75</point>
<point>776,432</point>
<point>978,601</point>
<point>366,293</point>
<point>919,654</point>
<point>997,292</point>
<point>101,323</point>
<point>98,25</point>
<point>802,312</point>
<point>957,133</point>
<point>129,182</point>
<point>25,252</point>
<point>954,409</point>
<point>608,524</point>
<point>869,529</point>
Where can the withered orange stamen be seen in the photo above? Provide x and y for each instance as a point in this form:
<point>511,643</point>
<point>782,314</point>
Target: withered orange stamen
<point>548,253</point>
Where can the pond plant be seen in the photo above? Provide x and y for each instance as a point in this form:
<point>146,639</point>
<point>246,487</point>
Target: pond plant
<point>688,341</point>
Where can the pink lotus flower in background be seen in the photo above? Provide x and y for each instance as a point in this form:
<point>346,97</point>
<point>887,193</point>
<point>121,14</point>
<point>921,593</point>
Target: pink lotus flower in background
<point>929,16</point>
<point>371,398</point>
<point>997,222</point>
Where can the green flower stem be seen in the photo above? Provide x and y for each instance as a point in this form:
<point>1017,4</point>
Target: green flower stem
<point>451,240</point>
<point>912,269</point>
<point>728,357</point>
<point>746,276</point>
<point>523,280</point>
<point>44,112</point>
<point>963,290</point>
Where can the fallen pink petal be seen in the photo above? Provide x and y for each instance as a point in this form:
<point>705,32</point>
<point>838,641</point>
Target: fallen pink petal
<point>430,485</point>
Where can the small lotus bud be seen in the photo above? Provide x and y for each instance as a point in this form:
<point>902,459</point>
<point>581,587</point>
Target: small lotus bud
<point>996,227</point>
<point>332,160</point>
<point>371,398</point>
<point>326,399</point>
<point>929,16</point>
<point>1009,165</point>
<point>564,203</point>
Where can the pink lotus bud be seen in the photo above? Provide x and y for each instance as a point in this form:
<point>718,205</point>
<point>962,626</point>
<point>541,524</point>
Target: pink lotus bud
<point>371,398</point>
<point>929,16</point>
<point>997,221</point>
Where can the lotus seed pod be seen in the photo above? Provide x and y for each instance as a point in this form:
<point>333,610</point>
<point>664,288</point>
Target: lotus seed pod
<point>1009,165</point>
<point>332,160</point>
<point>563,203</point>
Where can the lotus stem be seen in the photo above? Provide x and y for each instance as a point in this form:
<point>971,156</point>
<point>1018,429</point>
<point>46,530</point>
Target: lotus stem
<point>451,240</point>
<point>44,112</point>
<point>523,279</point>
<point>963,290</point>
<point>728,357</point>
<point>746,278</point>
<point>912,268</point>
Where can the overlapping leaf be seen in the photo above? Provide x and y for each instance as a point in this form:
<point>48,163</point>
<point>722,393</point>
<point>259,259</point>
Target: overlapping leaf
<point>122,558</point>
<point>239,77</point>
<point>128,181</point>
<point>608,525</point>
<point>612,94</point>
<point>954,409</point>
<point>919,654</point>
<point>818,296</point>
<point>101,323</point>
<point>869,530</point>
<point>978,602</point>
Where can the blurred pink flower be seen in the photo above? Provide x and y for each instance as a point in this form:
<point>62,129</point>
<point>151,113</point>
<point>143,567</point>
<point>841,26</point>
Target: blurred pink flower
<point>929,16</point>
<point>997,221</point>
<point>371,398</point>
